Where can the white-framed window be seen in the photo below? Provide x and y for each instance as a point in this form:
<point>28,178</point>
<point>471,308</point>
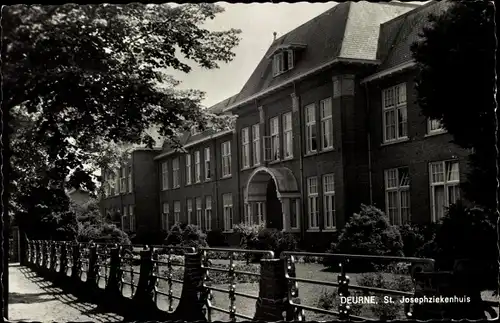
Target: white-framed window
<point>112,184</point>
<point>177,211</point>
<point>397,195</point>
<point>176,181</point>
<point>130,186</point>
<point>311,138</point>
<point>287,136</point>
<point>248,214</point>
<point>227,202</point>
<point>164,175</point>
<point>189,208</point>
<point>123,180</point>
<point>132,218</point>
<point>124,217</point>
<point>245,148</point>
<point>283,62</point>
<point>312,203</point>
<point>260,210</point>
<point>197,167</point>
<point>165,217</point>
<point>295,213</point>
<point>256,144</point>
<point>329,201</point>
<point>226,159</point>
<point>434,126</point>
<point>199,212</point>
<point>188,169</point>
<point>326,123</point>
<point>107,186</point>
<point>117,182</point>
<point>208,213</point>
<point>444,186</point>
<point>275,138</point>
<point>395,113</point>
<point>206,155</point>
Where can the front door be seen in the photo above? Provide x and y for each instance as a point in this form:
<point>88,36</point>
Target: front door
<point>274,213</point>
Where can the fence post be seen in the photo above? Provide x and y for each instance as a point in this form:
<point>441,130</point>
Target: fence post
<point>190,307</point>
<point>63,262</point>
<point>76,266</point>
<point>143,297</point>
<point>53,257</point>
<point>91,282</point>
<point>113,284</point>
<point>273,291</point>
<point>45,257</point>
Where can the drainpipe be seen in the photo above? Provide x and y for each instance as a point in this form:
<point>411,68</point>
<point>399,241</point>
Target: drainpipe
<point>216,185</point>
<point>301,167</point>
<point>368,135</point>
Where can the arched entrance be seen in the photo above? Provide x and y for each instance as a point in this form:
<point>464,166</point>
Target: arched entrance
<point>269,194</point>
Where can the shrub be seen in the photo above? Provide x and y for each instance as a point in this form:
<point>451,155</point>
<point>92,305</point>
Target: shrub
<point>104,232</point>
<point>186,236</point>
<point>149,238</point>
<point>367,233</point>
<point>277,241</point>
<point>249,235</point>
<point>467,233</point>
<point>215,238</point>
<point>329,300</point>
<point>415,236</point>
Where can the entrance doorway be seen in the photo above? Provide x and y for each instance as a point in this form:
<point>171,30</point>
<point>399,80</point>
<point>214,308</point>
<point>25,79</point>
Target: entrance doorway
<point>274,209</point>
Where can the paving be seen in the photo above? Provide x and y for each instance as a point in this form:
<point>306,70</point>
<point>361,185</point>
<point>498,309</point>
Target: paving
<point>32,298</point>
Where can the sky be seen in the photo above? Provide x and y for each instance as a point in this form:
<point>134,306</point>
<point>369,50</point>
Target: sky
<point>257,22</point>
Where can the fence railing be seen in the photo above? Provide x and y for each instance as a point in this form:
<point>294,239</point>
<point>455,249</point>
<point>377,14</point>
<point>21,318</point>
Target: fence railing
<point>143,278</point>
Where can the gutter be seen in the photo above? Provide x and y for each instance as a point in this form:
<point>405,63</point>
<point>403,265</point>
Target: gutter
<point>387,72</point>
<point>368,135</point>
<point>300,77</point>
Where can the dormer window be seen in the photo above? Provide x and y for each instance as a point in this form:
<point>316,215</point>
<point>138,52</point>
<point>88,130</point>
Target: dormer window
<point>283,61</point>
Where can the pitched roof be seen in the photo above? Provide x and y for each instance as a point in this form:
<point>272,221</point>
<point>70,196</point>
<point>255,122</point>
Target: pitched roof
<point>349,30</point>
<point>398,34</point>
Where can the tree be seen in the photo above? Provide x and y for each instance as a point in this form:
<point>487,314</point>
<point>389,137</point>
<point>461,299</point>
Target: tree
<point>456,85</point>
<point>79,80</point>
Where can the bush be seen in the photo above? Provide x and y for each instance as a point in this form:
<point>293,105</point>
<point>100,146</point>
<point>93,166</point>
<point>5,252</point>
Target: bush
<point>367,233</point>
<point>249,235</point>
<point>104,233</point>
<point>415,236</point>
<point>329,300</point>
<point>215,238</point>
<point>277,241</point>
<point>467,233</point>
<point>149,238</point>
<point>186,236</point>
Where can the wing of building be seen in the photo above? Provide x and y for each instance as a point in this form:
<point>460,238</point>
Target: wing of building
<point>327,121</point>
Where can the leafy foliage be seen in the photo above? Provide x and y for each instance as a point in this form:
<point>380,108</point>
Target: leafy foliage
<point>415,236</point>
<point>186,235</point>
<point>81,80</point>
<point>368,233</point>
<point>277,241</point>
<point>215,238</point>
<point>456,84</point>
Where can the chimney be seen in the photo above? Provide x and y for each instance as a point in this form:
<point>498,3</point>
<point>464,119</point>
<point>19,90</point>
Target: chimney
<point>274,34</point>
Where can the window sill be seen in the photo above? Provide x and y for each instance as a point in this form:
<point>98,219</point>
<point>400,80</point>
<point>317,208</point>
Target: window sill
<point>246,168</point>
<point>208,180</point>
<point>292,230</point>
<point>393,142</point>
<point>196,183</point>
<point>313,230</point>
<point>329,230</point>
<point>276,161</point>
<point>226,177</point>
<point>228,231</point>
<point>288,158</point>
<point>323,151</point>
<point>435,133</point>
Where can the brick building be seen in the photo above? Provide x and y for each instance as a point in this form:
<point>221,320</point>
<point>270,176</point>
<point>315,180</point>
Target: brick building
<point>327,121</point>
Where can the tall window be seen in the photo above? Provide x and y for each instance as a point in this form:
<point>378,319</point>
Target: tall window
<point>165,217</point>
<point>189,207</point>
<point>248,214</point>
<point>226,158</point>
<point>124,217</point>
<point>394,109</point>
<point>287,136</point>
<point>275,138</point>
<point>329,201</point>
<point>197,167</point>
<point>256,144</point>
<point>117,182</point>
<point>444,181</point>
<point>326,123</point>
<point>112,184</point>
<point>311,140</point>
<point>312,205</point>
<point>208,174</point>
<point>434,126</point>
<point>123,180</point>
<point>130,179</point>
<point>188,169</point>
<point>199,212</point>
<point>245,148</point>
<point>176,182</point>
<point>132,218</point>
<point>164,175</point>
<point>397,195</point>
<point>177,211</point>
<point>294,213</point>
<point>227,202</point>
<point>208,213</point>
<point>259,211</point>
